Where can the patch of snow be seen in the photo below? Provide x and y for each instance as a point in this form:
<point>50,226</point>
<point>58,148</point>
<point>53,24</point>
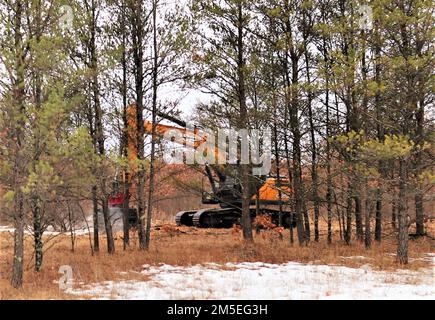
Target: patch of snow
<point>6,229</point>
<point>356,258</point>
<point>48,232</point>
<point>267,281</point>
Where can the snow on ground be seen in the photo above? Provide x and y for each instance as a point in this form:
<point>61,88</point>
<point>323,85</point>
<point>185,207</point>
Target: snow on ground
<point>267,281</point>
<point>6,229</point>
<point>81,227</point>
<point>48,232</point>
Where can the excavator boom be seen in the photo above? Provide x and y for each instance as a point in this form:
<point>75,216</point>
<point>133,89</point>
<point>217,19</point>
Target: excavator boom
<point>228,192</point>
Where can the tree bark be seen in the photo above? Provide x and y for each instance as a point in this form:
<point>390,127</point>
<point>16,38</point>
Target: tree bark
<point>314,176</point>
<point>419,212</point>
<point>37,233</point>
<point>18,259</point>
<point>380,128</point>
<point>125,133</point>
<point>99,130</point>
<point>245,169</point>
<point>95,219</point>
<point>36,200</point>
<point>393,212</point>
<point>154,122</point>
<point>306,219</point>
<point>289,172</point>
<point>348,230</point>
<point>368,212</point>
<point>137,34</point>
<point>358,216</point>
<point>402,212</point>
<point>329,189</point>
<point>352,114</point>
<point>378,223</point>
<point>293,105</point>
<point>277,164</point>
<point>19,96</point>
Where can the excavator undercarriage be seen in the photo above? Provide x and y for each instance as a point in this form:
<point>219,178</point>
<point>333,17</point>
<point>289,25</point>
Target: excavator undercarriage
<point>227,217</point>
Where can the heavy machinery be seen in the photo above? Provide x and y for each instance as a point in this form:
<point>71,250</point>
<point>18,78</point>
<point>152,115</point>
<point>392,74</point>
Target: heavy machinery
<point>269,195</point>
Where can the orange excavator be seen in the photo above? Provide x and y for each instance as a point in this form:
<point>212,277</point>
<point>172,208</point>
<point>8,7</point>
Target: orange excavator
<point>269,195</point>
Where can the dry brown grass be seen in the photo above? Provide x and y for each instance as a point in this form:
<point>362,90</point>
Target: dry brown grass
<point>187,246</point>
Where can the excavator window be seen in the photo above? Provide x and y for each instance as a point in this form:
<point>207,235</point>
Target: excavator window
<point>115,187</point>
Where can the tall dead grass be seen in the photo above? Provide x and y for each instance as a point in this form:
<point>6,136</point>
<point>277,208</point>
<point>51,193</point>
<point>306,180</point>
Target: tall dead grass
<point>188,246</point>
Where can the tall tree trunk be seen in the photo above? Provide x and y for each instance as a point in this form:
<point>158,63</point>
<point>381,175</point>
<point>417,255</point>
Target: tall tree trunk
<point>287,152</point>
<point>394,211</point>
<point>125,133</point>
<point>71,226</point>
<point>352,116</point>
<point>154,122</point>
<point>108,225</point>
<point>95,219</point>
<point>289,171</point>
<point>379,128</point>
<point>378,222</point>
<point>394,200</point>
<point>126,210</point>
<point>364,107</point>
<point>314,176</point>
<point>137,34</point>
<point>277,164</point>
<point>328,172</point>
<point>358,216</point>
<point>18,259</point>
<point>94,189</point>
<point>297,174</point>
<point>402,212</point>
<point>293,105</point>
<point>35,198</point>
<point>419,213</point>
<point>99,131</point>
<point>19,96</point>
<point>306,219</point>
<point>297,171</point>
<point>368,212</point>
<point>37,232</point>
<point>329,190</point>
<point>245,169</point>
<point>348,230</point>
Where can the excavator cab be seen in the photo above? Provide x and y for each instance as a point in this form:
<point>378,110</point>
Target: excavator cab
<point>226,193</point>
<point>116,203</point>
<point>116,198</point>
